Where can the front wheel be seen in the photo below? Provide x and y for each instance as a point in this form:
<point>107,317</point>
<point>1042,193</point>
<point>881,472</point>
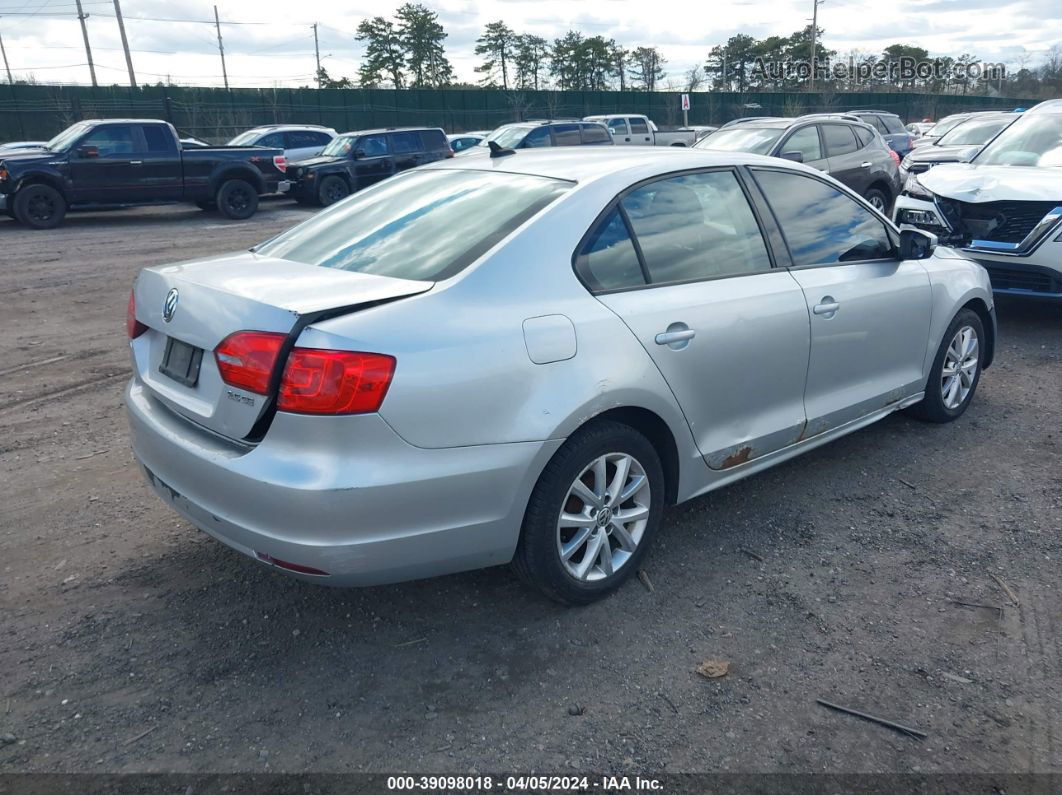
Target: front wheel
<point>40,207</point>
<point>591,514</point>
<point>956,370</point>
<point>331,190</point>
<point>237,199</point>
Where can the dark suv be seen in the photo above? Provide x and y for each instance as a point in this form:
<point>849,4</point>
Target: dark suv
<point>898,137</point>
<point>851,152</point>
<point>356,160</point>
<point>534,134</point>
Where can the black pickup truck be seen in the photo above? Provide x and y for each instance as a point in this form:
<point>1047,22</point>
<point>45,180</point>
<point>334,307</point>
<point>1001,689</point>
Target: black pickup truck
<point>131,162</point>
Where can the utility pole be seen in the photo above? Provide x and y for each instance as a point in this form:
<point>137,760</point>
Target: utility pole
<point>221,48</point>
<point>10,79</point>
<point>814,39</point>
<point>317,53</point>
<point>125,43</point>
<point>82,16</point>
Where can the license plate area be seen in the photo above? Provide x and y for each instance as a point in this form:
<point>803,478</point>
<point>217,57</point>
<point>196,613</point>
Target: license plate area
<point>180,361</point>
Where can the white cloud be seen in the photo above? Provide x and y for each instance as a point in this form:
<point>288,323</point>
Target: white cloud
<point>281,51</point>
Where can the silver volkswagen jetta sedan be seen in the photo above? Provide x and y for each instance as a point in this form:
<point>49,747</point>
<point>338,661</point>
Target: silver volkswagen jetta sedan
<point>526,357</point>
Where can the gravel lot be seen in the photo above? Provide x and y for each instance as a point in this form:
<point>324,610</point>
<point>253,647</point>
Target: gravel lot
<point>131,642</point>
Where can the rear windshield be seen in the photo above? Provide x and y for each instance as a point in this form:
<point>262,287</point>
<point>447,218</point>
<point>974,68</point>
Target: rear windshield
<point>757,140</point>
<point>425,225</point>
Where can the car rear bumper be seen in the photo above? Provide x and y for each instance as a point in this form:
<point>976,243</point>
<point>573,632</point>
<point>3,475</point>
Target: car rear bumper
<point>342,495</point>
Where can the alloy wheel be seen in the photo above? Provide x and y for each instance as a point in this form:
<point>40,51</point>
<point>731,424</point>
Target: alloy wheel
<point>603,517</point>
<point>41,208</point>
<point>239,200</point>
<point>960,367</point>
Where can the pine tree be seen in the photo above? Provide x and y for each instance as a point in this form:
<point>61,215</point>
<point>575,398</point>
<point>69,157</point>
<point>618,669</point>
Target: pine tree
<point>384,54</point>
<point>421,37</point>
<point>647,67</point>
<point>498,43</point>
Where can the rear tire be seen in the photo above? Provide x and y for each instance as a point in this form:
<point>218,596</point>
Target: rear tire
<point>331,190</point>
<point>609,475</point>
<point>878,200</point>
<point>39,207</point>
<point>237,199</point>
<point>956,370</point>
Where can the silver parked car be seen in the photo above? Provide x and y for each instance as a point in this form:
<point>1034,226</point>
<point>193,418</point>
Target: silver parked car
<point>525,357</point>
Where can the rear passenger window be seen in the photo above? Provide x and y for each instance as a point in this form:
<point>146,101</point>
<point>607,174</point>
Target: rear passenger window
<point>840,140</point>
<point>159,141</point>
<point>696,226</point>
<point>864,135</point>
<point>567,134</point>
<point>431,140</point>
<point>876,123</point>
<point>608,260</point>
<point>893,124</point>
<point>822,225</point>
<point>639,127</point>
<point>595,134</point>
<point>304,139</point>
<point>405,142</point>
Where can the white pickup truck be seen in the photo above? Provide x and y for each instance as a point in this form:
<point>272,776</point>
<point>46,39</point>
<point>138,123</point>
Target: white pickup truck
<point>629,129</point>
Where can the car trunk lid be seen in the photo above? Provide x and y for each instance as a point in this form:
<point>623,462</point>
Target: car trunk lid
<point>189,308</point>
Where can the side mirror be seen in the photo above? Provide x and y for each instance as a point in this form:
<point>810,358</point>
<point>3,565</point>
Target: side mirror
<point>796,157</point>
<point>916,244</point>
<point>88,151</point>
<point>357,154</point>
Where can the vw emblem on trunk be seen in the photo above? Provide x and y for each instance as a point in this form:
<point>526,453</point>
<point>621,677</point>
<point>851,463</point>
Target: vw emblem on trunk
<point>169,306</point>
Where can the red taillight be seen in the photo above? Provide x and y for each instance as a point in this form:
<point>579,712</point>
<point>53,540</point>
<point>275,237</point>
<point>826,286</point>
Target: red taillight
<point>133,327</point>
<point>895,156</point>
<point>334,382</point>
<point>281,162</point>
<point>246,359</point>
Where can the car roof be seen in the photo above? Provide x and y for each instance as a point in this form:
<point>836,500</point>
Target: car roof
<point>1047,106</point>
<point>275,127</point>
<point>378,130</point>
<point>879,112</point>
<point>588,163</point>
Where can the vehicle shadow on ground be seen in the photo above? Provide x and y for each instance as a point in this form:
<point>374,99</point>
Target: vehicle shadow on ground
<point>180,214</point>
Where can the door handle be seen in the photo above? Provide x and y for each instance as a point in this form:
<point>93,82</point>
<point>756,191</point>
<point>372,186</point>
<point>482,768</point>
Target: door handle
<point>827,307</point>
<point>677,336</point>
<point>865,164</point>
<point>136,162</point>
<point>628,140</point>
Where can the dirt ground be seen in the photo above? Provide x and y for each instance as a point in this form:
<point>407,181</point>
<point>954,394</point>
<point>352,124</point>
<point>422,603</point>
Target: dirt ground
<point>131,642</point>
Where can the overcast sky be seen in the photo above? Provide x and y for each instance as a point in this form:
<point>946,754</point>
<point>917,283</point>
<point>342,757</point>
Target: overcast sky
<point>43,38</point>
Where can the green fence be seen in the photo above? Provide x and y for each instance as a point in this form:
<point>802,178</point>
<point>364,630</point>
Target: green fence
<point>39,112</point>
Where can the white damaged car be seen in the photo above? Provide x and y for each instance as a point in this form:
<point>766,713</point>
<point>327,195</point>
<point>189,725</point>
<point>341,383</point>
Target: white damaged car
<point>1004,208</point>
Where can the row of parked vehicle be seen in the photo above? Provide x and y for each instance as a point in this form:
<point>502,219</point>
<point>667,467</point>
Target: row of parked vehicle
<point>123,162</point>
